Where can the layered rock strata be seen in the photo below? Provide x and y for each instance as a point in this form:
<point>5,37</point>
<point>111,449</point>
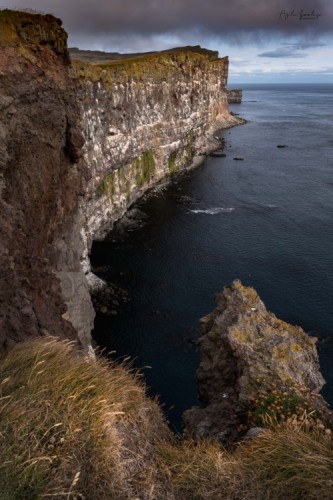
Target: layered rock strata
<point>245,352</point>
<point>78,145</point>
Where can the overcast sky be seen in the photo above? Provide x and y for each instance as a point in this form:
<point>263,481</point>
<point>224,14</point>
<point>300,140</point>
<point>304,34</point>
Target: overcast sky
<point>266,40</point>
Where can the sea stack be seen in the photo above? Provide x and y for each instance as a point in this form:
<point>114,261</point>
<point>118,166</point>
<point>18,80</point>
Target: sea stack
<point>234,96</point>
<point>247,352</point>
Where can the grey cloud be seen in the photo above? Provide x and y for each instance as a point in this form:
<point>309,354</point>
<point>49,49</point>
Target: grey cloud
<point>239,21</point>
<point>305,45</point>
<point>293,50</point>
<point>283,52</point>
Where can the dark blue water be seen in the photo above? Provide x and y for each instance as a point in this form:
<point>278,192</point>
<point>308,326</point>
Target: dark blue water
<point>266,220</point>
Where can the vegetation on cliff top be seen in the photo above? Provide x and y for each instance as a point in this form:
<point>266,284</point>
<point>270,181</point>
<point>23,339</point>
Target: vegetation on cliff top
<point>72,428</point>
<point>98,57</point>
<point>160,65</point>
<point>75,429</point>
<point>30,29</point>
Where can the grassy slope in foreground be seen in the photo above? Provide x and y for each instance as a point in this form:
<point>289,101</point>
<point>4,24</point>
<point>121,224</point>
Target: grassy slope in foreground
<point>70,428</point>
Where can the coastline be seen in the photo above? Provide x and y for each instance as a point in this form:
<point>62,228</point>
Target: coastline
<point>80,146</point>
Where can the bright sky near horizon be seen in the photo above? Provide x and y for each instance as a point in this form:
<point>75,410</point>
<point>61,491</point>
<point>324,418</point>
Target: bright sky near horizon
<point>266,40</point>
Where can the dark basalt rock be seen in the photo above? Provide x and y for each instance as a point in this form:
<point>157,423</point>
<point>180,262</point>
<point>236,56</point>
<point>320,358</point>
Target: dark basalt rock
<point>132,220</point>
<point>234,96</point>
<point>217,154</point>
<point>40,141</point>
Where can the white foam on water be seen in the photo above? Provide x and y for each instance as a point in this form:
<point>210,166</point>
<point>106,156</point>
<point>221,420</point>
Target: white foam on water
<point>212,211</point>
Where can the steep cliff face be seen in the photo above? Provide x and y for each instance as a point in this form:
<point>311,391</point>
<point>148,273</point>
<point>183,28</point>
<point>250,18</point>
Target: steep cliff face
<point>144,119</point>
<point>78,146</point>
<point>41,175</point>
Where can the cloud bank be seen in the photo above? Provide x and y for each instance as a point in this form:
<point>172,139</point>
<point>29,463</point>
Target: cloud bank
<point>283,52</point>
<point>239,21</point>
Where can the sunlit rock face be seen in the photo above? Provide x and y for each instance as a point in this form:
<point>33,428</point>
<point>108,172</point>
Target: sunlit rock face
<point>79,143</point>
<point>144,119</point>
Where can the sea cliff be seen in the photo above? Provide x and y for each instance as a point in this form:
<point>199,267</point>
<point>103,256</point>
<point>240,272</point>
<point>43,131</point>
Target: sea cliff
<point>145,119</point>
<point>80,142</point>
<point>41,178</point>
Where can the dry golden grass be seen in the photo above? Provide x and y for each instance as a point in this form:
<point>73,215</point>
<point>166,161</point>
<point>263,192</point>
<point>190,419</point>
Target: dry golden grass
<point>72,428</point>
<point>202,471</point>
<point>293,460</point>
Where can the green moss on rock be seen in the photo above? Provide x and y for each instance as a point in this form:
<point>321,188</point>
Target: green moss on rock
<point>172,162</point>
<point>145,167</point>
<point>32,30</point>
<point>108,185</point>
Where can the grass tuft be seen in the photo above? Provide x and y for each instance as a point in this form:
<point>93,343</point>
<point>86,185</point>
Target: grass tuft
<point>292,460</point>
<point>68,425</point>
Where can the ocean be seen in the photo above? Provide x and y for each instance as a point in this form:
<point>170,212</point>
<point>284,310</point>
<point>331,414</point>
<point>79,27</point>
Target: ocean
<point>266,220</point>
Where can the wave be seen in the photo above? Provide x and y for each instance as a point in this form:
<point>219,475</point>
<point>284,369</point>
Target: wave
<point>212,211</point>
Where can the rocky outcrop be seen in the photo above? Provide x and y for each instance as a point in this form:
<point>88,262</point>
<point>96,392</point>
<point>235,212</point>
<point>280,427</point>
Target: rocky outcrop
<point>234,96</point>
<point>78,145</point>
<point>246,352</point>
